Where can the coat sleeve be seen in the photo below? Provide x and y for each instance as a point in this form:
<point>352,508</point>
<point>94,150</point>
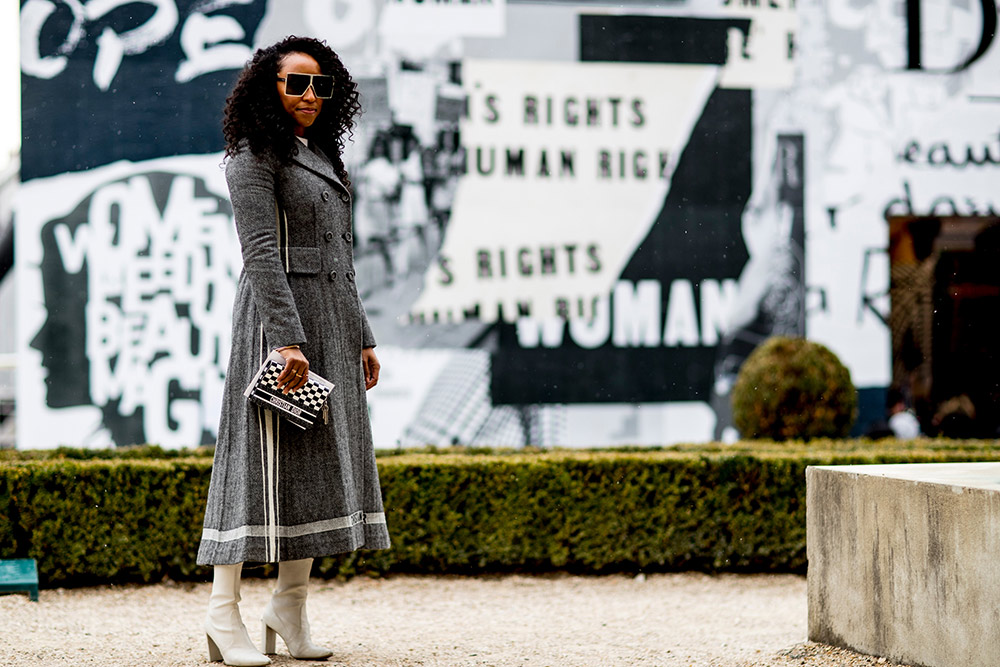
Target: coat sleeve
<point>251,190</point>
<point>367,337</point>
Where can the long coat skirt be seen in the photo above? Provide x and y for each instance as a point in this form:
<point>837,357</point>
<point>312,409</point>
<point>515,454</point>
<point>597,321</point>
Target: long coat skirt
<point>279,493</point>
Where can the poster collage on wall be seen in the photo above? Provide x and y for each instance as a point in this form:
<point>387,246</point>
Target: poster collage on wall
<point>573,221</point>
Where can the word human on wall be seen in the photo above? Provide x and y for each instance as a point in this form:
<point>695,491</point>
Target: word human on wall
<point>585,113</point>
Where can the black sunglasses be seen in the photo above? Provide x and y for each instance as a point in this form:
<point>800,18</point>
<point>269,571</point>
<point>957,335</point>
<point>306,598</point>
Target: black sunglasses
<point>297,84</point>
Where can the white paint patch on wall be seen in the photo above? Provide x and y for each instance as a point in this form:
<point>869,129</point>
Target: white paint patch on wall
<point>404,382</point>
<point>597,425</point>
<point>443,18</point>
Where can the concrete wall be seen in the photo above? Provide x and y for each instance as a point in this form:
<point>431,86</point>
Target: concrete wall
<point>904,561</point>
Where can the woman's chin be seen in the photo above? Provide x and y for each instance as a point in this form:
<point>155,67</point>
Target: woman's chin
<point>306,120</point>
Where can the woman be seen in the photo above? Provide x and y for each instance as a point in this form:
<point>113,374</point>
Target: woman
<point>279,494</point>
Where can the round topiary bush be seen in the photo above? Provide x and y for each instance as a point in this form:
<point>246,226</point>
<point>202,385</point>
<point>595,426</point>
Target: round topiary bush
<point>792,388</point>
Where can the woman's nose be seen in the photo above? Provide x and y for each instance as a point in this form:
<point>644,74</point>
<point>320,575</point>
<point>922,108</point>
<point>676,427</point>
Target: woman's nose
<point>309,95</point>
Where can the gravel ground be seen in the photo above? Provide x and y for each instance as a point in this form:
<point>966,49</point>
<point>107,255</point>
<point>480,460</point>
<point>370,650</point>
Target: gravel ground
<point>675,619</point>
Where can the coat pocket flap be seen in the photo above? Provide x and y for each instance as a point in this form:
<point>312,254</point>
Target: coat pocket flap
<point>304,260</point>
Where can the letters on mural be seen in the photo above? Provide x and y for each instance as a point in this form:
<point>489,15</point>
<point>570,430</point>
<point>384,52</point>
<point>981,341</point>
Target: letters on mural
<point>144,78</point>
<point>559,187</point>
<point>137,282</point>
<point>208,38</point>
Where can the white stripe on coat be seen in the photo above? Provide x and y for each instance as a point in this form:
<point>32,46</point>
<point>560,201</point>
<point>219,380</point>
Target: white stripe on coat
<point>288,266</point>
<point>299,530</point>
<point>265,446</point>
<point>274,490</point>
<point>272,521</point>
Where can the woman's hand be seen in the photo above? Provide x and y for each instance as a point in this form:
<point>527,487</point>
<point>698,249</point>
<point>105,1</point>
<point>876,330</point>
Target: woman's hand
<point>370,365</point>
<point>296,370</point>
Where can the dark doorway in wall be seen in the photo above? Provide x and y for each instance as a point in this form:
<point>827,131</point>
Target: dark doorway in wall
<point>945,321</point>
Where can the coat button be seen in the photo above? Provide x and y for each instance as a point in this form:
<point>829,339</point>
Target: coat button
<point>350,276</point>
<point>344,197</point>
<point>328,236</point>
<point>325,196</point>
<point>348,236</point>
<point>333,275</point>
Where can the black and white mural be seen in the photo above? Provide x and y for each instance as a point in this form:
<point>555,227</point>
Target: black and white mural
<point>573,221</point>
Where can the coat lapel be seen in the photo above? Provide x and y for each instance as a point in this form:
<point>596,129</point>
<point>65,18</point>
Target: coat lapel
<point>315,163</point>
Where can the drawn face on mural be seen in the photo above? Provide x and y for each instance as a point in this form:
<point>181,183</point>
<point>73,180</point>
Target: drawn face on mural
<point>61,338</point>
<point>138,282</point>
<point>306,107</point>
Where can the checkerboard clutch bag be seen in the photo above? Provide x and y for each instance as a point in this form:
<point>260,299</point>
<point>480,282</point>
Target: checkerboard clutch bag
<point>301,407</point>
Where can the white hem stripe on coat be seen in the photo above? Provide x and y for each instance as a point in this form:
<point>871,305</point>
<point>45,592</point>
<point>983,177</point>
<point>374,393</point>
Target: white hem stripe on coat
<point>356,519</point>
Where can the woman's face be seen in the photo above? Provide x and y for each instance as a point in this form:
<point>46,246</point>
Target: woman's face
<point>304,109</point>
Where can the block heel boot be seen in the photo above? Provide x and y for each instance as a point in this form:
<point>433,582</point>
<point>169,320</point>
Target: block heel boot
<point>228,640</point>
<point>285,614</point>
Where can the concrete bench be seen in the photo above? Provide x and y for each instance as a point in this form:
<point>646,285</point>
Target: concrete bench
<point>904,561</point>
<point>19,576</point>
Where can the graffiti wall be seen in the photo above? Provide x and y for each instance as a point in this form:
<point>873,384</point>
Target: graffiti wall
<point>573,221</point>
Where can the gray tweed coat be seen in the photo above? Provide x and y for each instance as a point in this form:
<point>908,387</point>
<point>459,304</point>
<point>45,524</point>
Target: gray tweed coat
<point>277,492</point>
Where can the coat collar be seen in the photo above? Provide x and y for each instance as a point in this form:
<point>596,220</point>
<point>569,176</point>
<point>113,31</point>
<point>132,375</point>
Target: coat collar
<point>316,161</point>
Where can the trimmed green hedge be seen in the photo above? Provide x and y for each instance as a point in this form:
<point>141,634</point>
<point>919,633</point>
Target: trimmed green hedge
<point>710,508</point>
<point>143,452</point>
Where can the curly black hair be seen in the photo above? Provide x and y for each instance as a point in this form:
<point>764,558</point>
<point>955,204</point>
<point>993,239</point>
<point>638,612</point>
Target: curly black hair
<point>254,111</point>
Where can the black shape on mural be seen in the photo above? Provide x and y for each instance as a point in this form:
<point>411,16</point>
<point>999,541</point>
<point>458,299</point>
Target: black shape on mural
<point>61,339</point>
<point>914,38</point>
<point>146,79</point>
<point>695,238</point>
<point>647,39</point>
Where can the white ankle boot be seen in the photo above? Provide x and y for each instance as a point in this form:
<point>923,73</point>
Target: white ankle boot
<point>227,636</point>
<point>285,614</point>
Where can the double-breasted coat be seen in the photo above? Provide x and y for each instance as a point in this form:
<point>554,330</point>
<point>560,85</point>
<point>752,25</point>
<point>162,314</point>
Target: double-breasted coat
<point>277,492</point>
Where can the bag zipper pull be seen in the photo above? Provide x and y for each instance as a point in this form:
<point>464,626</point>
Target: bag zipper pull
<point>326,412</point>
